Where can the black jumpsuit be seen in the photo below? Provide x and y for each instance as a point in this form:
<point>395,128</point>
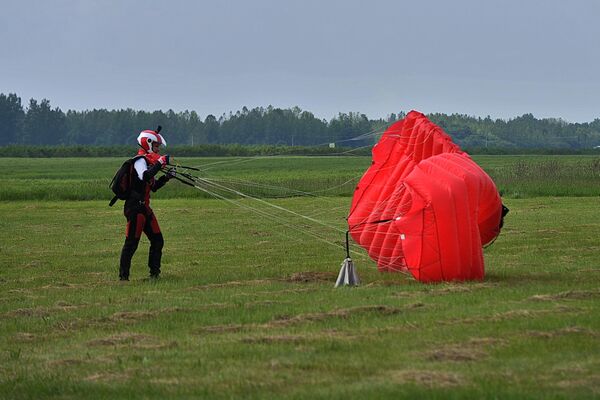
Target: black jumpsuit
<point>140,218</point>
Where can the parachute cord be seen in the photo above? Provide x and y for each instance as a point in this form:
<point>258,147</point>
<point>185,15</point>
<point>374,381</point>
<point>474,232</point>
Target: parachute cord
<point>269,216</point>
<point>383,221</point>
<point>491,243</point>
<point>237,192</point>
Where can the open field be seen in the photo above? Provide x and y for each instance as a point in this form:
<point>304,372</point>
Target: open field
<point>88,178</point>
<point>246,306</point>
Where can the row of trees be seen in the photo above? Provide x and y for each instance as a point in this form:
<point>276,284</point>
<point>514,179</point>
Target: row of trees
<point>41,124</point>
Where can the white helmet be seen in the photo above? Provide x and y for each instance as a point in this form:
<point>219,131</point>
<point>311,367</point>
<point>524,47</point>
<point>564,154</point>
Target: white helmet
<point>147,138</point>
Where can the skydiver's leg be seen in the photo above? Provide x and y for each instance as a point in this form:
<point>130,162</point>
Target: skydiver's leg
<point>135,224</point>
<point>152,230</point>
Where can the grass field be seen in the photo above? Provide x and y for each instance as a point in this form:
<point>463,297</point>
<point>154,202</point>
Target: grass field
<point>246,306</point>
<point>88,178</point>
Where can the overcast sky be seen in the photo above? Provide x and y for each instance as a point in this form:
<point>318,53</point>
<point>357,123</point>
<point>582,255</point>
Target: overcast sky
<point>497,58</point>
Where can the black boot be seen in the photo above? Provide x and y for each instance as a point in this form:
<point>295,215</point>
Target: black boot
<point>155,254</point>
<point>127,253</point>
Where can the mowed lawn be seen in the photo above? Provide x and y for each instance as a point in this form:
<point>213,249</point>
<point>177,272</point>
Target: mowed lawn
<point>246,306</point>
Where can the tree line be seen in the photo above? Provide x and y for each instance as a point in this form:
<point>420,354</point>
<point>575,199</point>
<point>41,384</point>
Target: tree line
<point>40,124</point>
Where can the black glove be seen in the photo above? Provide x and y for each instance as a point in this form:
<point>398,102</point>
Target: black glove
<point>171,173</point>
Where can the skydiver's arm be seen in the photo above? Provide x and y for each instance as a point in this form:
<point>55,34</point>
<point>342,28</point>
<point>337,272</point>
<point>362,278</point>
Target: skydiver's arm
<point>160,182</point>
<point>144,173</point>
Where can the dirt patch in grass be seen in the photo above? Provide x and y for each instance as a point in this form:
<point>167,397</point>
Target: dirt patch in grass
<point>109,377</point>
<point>20,291</point>
<point>591,383</point>
<point>512,314</point>
<point>67,362</point>
<point>407,295</point>
<point>63,304</point>
<point>204,307</point>
<point>339,313</point>
<point>386,282</point>
<point>426,378</point>
<point>155,346</point>
<point>125,316</point>
<point>63,285</point>
<point>287,320</point>
<point>311,276</point>
<point>264,303</point>
<point>60,305</point>
<point>327,334</point>
<point>456,354</point>
<point>487,341</point>
<point>285,291</point>
<point>28,312</point>
<point>444,289</point>
<point>271,292</point>
<point>298,277</point>
<point>275,339</point>
<point>24,337</point>
<point>133,316</point>
<point>474,349</point>
<point>568,295</point>
<point>121,338</point>
<point>220,328</point>
<point>562,332</point>
<point>460,288</point>
<point>589,270</point>
<point>174,381</point>
<point>134,340</point>
<point>232,284</point>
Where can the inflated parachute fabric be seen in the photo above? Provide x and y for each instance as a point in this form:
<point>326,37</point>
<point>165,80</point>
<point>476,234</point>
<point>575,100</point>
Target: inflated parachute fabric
<point>424,205</point>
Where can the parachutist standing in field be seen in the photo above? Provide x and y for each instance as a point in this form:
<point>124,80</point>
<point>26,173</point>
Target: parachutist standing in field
<point>139,175</point>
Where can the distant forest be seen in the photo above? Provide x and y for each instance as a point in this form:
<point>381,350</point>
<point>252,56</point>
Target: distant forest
<point>40,124</point>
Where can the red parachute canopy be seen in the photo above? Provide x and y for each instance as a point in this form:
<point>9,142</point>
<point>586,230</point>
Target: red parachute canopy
<point>424,205</point>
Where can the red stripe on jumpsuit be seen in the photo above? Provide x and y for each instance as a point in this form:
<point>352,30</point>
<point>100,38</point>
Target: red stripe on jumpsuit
<point>154,224</point>
<point>140,221</point>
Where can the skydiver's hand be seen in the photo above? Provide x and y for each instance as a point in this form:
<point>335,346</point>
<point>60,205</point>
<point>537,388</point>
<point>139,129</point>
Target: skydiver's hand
<point>171,173</point>
<point>164,160</point>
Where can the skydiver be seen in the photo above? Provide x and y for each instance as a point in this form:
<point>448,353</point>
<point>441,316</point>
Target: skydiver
<point>137,211</point>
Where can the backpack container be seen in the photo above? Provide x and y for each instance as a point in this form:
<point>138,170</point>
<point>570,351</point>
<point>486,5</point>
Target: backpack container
<point>121,182</point>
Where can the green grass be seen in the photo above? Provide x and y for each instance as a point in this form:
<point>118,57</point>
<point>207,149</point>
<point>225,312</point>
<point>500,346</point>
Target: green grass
<point>533,176</point>
<point>88,178</point>
<point>246,308</point>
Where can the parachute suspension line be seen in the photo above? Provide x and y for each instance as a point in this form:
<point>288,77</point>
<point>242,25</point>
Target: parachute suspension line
<point>284,190</point>
<point>237,192</point>
<point>253,209</point>
<point>262,213</point>
<point>238,160</point>
<point>211,182</point>
<point>396,195</point>
<point>371,133</point>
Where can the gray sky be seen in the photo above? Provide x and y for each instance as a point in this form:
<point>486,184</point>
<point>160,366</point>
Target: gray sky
<point>497,58</point>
